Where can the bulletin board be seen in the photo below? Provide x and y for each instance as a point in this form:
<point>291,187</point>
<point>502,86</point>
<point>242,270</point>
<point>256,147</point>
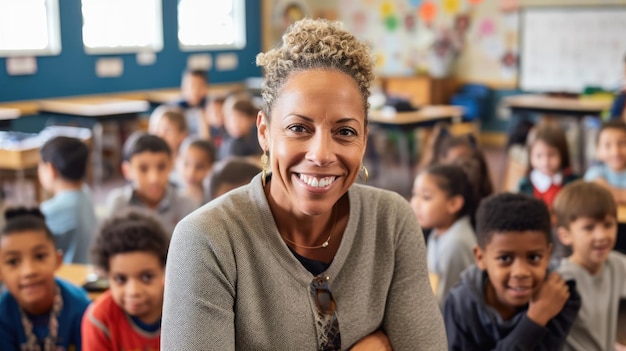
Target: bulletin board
<point>569,48</point>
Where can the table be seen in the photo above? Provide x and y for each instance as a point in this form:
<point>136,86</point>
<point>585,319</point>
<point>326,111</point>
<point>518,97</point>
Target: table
<point>406,123</point>
<point>97,110</point>
<point>560,106</point>
<point>77,274</point>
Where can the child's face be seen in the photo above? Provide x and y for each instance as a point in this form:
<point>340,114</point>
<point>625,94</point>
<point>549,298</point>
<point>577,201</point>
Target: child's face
<point>194,89</point>
<point>137,280</point>
<point>516,263</point>
<point>431,204</point>
<point>149,172</point>
<point>591,240</point>
<point>170,133</point>
<point>196,166</point>
<point>45,173</point>
<point>237,124</point>
<point>214,114</point>
<point>29,260</point>
<point>545,158</point>
<point>612,148</point>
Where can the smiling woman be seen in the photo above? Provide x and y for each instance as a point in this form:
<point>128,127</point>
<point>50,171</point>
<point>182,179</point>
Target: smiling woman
<point>303,258</point>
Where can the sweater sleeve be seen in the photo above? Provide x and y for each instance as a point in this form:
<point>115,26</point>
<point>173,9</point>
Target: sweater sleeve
<point>198,292</point>
<point>412,319</point>
<point>95,334</point>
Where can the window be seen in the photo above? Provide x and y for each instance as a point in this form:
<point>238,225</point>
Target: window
<point>29,27</point>
<point>122,26</point>
<point>211,24</point>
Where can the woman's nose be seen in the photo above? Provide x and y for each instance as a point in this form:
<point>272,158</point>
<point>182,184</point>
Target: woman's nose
<point>321,150</point>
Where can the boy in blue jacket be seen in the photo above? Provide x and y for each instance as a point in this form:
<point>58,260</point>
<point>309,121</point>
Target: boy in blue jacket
<point>509,300</point>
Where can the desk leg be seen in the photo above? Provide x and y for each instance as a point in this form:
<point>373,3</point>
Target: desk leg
<point>98,158</point>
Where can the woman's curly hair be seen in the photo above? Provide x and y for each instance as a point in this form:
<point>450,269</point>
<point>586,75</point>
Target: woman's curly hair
<point>315,44</point>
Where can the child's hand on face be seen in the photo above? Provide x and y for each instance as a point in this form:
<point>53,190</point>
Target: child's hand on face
<point>549,300</point>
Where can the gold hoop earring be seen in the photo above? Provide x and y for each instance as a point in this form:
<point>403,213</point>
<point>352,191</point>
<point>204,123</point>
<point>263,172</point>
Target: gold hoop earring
<point>264,160</point>
<point>366,174</point>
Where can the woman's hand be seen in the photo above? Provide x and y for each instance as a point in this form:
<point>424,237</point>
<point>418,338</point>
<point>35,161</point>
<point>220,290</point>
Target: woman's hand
<point>377,341</point>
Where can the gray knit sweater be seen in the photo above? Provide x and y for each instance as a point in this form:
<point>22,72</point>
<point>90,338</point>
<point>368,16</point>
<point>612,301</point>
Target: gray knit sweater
<point>232,283</point>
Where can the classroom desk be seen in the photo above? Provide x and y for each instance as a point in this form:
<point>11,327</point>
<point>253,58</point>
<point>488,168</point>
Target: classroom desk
<point>76,274</point>
<point>560,106</point>
<point>97,110</point>
<point>407,122</point>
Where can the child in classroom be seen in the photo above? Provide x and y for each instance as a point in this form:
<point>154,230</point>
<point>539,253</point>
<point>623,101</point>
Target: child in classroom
<point>549,170</point>
<point>477,170</point>
<point>229,174</point>
<point>213,126</point>
<point>194,89</point>
<point>196,162</point>
<point>170,124</point>
<point>444,201</point>
<point>618,108</point>
<point>69,213</point>
<point>240,122</point>
<point>39,311</point>
<point>508,300</point>
<point>587,221</point>
<point>131,249</point>
<point>147,165</point>
<point>611,151</point>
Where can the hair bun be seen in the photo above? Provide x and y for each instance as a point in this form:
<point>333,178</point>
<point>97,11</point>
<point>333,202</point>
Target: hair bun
<point>22,211</point>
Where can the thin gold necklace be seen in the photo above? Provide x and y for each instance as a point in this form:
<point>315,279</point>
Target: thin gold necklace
<point>324,244</point>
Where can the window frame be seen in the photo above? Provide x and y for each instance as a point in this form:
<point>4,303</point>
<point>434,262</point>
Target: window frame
<point>239,19</point>
<point>157,46</point>
<point>54,35</point>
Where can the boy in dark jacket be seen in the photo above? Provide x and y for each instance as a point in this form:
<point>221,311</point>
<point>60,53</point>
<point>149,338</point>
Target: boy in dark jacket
<point>509,300</point>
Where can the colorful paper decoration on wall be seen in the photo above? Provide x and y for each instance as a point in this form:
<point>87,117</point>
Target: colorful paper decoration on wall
<point>391,23</point>
<point>475,2</point>
<point>386,9</point>
<point>428,11</point>
<point>415,3</point>
<point>451,6</point>
<point>486,27</point>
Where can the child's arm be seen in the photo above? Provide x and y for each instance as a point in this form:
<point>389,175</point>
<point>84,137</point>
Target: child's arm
<point>93,333</point>
<point>619,194</point>
<point>549,300</point>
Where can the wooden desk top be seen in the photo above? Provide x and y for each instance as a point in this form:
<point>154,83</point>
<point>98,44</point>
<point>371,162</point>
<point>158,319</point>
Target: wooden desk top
<point>424,114</point>
<point>163,96</point>
<point>93,106</point>
<point>77,274</point>
<point>9,113</point>
<point>621,213</point>
<point>19,159</point>
<point>545,102</point>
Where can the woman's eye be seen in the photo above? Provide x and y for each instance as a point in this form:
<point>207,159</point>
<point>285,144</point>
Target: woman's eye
<point>347,132</point>
<point>297,128</point>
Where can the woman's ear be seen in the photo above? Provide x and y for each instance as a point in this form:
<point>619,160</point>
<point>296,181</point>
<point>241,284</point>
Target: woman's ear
<point>263,130</point>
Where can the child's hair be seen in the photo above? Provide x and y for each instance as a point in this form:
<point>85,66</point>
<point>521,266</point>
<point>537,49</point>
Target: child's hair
<point>448,142</point>
<point>67,155</point>
<point>176,117</point>
<point>583,199</point>
<point>233,170</point>
<point>246,107</point>
<point>197,73</point>
<point>139,142</point>
<point>453,181</point>
<point>616,124</point>
<point>475,166</point>
<point>552,134</point>
<point>507,212</point>
<point>127,232</point>
<point>205,146</point>
<point>21,219</point>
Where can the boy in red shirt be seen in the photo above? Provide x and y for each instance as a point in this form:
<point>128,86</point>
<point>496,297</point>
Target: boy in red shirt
<point>131,249</point>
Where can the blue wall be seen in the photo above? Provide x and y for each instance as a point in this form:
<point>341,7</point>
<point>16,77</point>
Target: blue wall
<point>73,72</point>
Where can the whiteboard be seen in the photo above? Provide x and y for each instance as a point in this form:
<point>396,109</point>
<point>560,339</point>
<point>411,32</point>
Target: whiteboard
<point>568,49</point>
